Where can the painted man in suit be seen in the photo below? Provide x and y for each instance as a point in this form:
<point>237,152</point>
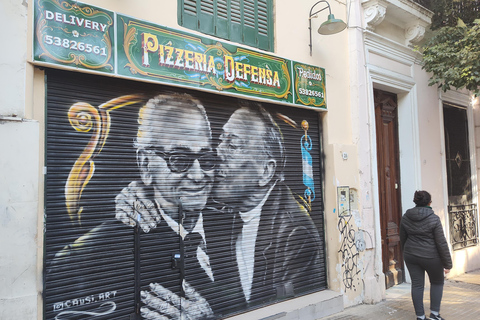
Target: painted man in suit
<point>277,247</point>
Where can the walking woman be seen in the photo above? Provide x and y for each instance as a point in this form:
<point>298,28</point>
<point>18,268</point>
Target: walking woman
<point>425,249</point>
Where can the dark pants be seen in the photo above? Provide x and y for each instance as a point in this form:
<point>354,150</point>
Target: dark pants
<point>434,268</point>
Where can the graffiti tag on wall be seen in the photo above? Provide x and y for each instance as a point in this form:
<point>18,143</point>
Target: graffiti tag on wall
<point>352,240</point>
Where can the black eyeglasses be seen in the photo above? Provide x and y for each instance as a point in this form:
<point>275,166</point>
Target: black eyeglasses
<point>181,161</point>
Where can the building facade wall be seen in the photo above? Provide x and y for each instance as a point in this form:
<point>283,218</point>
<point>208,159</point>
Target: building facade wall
<point>291,41</point>
<point>375,52</point>
<point>393,29</point>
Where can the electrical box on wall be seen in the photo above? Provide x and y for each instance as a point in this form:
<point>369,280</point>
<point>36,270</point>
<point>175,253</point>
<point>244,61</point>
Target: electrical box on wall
<point>343,200</point>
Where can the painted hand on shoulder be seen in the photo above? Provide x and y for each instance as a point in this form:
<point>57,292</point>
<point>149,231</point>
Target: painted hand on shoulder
<point>161,303</point>
<point>133,207</point>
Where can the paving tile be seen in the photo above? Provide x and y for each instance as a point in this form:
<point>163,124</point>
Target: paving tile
<point>461,300</point>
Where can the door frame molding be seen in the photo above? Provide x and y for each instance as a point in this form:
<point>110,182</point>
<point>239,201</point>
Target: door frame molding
<point>409,148</point>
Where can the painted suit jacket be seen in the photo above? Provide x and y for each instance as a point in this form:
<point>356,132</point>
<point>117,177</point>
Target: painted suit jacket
<point>287,254</point>
<point>110,257</point>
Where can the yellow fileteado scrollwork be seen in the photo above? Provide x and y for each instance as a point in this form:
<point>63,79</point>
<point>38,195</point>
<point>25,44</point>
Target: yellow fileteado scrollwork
<point>85,118</point>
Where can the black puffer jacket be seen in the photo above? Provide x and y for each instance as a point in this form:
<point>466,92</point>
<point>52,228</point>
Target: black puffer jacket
<point>422,235</point>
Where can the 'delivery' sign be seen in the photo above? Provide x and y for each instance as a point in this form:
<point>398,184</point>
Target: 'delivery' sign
<point>75,35</point>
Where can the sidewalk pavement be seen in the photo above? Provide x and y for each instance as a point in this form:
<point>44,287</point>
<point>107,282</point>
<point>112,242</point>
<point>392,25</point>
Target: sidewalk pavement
<point>461,300</point>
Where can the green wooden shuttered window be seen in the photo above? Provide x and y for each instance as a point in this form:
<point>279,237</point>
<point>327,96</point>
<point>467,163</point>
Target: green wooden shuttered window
<point>244,21</point>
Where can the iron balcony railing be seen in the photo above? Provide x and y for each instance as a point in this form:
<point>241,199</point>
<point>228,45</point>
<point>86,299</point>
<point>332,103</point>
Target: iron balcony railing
<point>463,225</point>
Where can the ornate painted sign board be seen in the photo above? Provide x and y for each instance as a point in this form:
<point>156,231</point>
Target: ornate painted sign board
<point>309,85</point>
<point>150,51</point>
<point>76,35</point>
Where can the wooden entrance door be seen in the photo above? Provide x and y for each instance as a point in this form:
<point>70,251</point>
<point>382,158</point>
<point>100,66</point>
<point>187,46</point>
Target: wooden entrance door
<point>389,185</point>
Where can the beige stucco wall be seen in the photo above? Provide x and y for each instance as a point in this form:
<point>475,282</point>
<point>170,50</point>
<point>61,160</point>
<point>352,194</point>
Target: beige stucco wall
<point>19,170</point>
<point>18,213</point>
<point>341,138</point>
<point>13,17</point>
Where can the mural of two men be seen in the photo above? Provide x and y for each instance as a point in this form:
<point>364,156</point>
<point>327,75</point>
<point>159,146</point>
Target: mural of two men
<point>246,240</point>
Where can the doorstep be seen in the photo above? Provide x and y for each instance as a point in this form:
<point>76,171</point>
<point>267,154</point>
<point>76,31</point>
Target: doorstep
<point>309,307</point>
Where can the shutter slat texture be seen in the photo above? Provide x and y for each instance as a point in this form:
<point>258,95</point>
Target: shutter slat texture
<point>96,267</point>
<point>190,6</point>
<point>235,11</point>
<point>244,21</point>
<point>222,9</point>
<point>262,17</point>
<point>207,6</point>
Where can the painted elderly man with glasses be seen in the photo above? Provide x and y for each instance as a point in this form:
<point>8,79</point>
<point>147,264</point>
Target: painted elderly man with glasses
<point>176,164</point>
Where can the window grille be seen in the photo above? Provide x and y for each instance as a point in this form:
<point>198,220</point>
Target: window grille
<point>463,225</point>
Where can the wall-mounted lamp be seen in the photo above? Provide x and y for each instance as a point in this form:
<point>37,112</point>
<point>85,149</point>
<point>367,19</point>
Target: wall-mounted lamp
<point>331,26</point>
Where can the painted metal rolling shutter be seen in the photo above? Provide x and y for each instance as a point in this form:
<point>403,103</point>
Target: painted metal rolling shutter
<point>96,267</point>
<point>296,178</point>
<point>89,258</point>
